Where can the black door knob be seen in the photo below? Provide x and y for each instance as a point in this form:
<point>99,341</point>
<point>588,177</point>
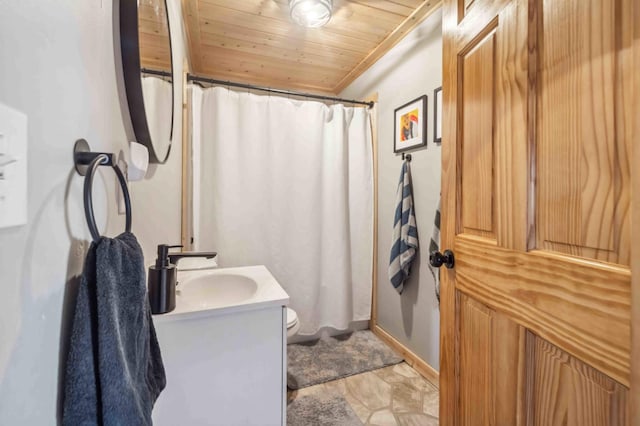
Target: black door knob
<point>437,259</point>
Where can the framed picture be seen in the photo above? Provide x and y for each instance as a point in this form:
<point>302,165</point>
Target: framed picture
<point>410,125</point>
<point>437,115</point>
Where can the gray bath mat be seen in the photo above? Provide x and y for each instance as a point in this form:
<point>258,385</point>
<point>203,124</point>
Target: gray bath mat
<point>323,409</point>
<point>319,361</point>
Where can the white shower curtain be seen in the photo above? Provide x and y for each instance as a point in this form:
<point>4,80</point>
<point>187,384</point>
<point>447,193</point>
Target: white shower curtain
<point>288,184</point>
<point>158,105</point>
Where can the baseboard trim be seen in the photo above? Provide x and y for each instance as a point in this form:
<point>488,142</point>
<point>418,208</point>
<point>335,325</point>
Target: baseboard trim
<point>425,370</point>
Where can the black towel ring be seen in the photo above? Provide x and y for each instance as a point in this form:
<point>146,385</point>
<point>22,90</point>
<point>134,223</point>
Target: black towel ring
<point>83,156</point>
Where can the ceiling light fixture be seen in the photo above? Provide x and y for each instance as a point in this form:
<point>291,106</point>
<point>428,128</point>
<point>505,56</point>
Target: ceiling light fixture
<point>310,13</point>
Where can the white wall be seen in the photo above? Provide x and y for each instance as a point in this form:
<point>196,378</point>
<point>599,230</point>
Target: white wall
<point>57,66</point>
<point>411,69</point>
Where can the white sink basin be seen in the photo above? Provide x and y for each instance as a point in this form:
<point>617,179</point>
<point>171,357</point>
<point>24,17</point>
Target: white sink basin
<point>225,290</point>
<point>209,289</point>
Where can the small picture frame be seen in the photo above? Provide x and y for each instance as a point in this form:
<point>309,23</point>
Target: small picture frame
<point>437,115</point>
<point>410,125</point>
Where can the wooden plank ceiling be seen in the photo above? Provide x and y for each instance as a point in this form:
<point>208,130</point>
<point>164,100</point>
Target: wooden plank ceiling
<point>153,31</point>
<point>255,41</point>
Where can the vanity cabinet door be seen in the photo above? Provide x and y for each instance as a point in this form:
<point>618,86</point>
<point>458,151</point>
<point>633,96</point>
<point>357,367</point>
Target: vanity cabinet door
<point>223,369</point>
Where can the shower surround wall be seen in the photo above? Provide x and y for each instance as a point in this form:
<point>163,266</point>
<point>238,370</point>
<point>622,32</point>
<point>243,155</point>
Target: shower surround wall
<point>412,68</point>
<point>58,67</point>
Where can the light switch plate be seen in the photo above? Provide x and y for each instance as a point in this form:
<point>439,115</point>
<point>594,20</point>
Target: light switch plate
<point>13,167</point>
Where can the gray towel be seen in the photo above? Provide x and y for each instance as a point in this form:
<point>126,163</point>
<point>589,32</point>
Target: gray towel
<point>114,369</point>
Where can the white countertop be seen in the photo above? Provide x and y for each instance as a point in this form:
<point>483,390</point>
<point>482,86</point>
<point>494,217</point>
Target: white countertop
<point>212,292</point>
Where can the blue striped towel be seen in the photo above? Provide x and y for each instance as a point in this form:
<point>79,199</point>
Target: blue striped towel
<point>434,245</point>
<point>405,232</point>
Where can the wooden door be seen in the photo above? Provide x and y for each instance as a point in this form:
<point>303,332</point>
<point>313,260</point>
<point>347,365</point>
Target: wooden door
<point>540,101</point>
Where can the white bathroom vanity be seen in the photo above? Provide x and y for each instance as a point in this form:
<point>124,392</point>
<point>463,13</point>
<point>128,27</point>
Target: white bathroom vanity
<point>224,350</point>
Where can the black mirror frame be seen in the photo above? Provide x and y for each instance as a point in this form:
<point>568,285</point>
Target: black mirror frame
<point>130,49</point>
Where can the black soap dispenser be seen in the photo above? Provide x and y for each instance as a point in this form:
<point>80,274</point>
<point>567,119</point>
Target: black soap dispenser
<point>162,282</point>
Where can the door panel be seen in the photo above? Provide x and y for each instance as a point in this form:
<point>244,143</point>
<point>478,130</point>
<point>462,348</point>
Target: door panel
<point>475,362</point>
<point>538,115</point>
<point>477,100</point>
<point>567,392</point>
<point>514,224</point>
<point>583,153</point>
<point>466,5</point>
<point>490,345</point>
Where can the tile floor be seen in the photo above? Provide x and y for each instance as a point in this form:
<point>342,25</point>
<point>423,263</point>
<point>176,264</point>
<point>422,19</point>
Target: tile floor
<point>391,396</point>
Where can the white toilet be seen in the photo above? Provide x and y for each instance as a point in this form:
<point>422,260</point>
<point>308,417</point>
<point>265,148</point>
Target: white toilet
<point>293,325</point>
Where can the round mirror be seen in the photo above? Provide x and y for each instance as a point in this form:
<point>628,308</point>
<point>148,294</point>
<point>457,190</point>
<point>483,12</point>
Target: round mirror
<point>145,40</point>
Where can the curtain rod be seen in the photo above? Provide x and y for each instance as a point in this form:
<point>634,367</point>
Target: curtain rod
<point>156,72</point>
<point>191,77</point>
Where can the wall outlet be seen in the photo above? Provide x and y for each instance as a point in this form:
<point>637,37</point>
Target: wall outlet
<point>13,167</point>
